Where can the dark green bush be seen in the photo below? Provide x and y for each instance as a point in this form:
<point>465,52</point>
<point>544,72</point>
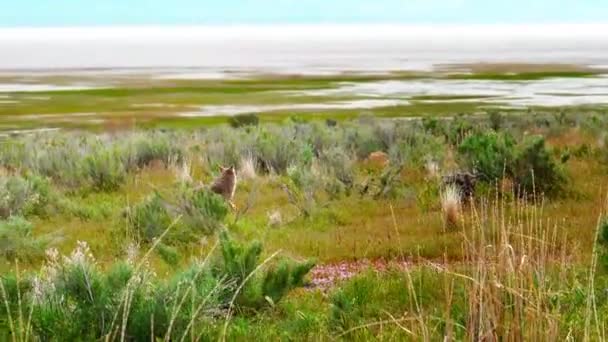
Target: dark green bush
<point>239,261</point>
<point>529,164</point>
<point>535,170</point>
<point>489,155</point>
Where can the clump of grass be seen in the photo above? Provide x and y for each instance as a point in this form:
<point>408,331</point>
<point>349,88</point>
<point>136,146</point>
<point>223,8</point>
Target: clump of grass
<point>182,171</point>
<point>451,207</point>
<point>247,168</point>
<point>517,281</point>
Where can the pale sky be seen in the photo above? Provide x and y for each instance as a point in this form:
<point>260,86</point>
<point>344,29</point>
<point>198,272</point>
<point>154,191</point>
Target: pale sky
<point>46,13</point>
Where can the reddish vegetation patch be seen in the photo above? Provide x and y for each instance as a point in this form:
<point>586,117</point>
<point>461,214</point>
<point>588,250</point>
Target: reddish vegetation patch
<point>325,276</point>
<point>377,160</point>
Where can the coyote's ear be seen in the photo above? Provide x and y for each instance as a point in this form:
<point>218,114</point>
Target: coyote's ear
<point>232,168</point>
<point>223,168</point>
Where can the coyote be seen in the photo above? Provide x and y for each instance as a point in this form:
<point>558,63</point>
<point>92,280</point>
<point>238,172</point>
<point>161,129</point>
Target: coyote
<point>225,184</point>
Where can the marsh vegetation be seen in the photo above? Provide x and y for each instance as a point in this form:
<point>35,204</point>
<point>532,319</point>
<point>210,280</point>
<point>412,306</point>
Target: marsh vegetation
<point>116,235</point>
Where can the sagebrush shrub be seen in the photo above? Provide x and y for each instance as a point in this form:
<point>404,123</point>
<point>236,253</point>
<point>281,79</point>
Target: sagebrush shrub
<point>535,169</point>
<point>105,169</point>
<point>150,218</point>
<point>278,149</point>
<point>489,155</point>
<point>143,149</point>
<point>23,196</point>
<point>416,148</point>
<point>61,159</point>
<point>529,163</point>
<point>16,240</point>
<point>192,210</point>
<point>201,209</point>
<point>338,166</point>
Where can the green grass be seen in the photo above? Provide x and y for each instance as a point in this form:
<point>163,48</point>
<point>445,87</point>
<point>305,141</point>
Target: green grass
<point>542,254</point>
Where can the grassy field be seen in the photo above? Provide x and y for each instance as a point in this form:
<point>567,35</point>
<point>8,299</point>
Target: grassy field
<point>346,227</point>
<point>111,235</point>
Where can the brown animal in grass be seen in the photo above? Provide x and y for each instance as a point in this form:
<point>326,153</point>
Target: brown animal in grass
<point>225,184</point>
<point>377,160</point>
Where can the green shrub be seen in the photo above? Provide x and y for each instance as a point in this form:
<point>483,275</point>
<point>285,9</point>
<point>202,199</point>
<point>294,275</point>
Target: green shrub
<point>105,169</point>
<point>416,148</point>
<point>143,149</point>
<point>302,188</point>
<point>459,129</point>
<point>489,155</point>
<point>23,196</point>
<point>239,261</point>
<point>72,298</point>
<point>363,140</point>
<point>278,149</point>
<point>16,240</point>
<point>169,254</point>
<point>201,209</point>
<point>192,210</point>
<point>150,218</point>
<point>530,164</point>
<point>339,171</point>
<point>60,158</point>
<point>535,170</point>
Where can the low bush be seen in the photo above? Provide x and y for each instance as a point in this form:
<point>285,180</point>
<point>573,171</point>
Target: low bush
<point>338,168</point>
<point>23,196</point>
<point>488,155</point>
<point>105,169</point>
<point>238,261</point>
<point>142,149</point>
<point>150,218</point>
<point>17,242</point>
<point>193,211</point>
<point>535,170</point>
<point>201,210</point>
<point>530,164</point>
<point>72,298</point>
